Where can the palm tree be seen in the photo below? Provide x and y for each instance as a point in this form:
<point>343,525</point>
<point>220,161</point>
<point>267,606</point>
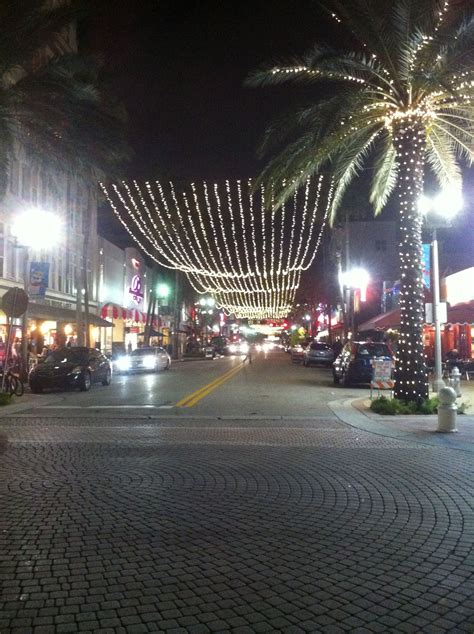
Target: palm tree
<point>404,94</point>
<point>52,100</point>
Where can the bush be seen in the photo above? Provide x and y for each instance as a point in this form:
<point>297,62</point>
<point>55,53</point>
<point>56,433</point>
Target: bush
<point>5,399</point>
<point>392,406</point>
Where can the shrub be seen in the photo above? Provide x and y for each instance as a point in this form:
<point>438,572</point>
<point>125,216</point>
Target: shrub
<point>5,399</point>
<point>392,406</point>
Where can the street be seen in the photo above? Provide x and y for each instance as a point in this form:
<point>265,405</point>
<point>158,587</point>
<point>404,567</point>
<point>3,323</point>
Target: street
<point>227,497</point>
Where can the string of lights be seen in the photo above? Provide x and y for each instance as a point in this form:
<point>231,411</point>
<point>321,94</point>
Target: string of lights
<point>230,241</point>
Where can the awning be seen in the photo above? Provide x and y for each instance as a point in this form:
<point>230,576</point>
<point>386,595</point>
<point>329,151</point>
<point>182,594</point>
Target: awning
<point>55,313</point>
<point>461,314</point>
<point>114,311</point>
<point>381,322</point>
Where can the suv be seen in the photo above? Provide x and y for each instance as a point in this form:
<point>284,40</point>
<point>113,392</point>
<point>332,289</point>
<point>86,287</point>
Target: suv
<point>318,354</point>
<point>354,364</point>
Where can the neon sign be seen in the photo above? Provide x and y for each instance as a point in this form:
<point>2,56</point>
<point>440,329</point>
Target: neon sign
<point>135,289</point>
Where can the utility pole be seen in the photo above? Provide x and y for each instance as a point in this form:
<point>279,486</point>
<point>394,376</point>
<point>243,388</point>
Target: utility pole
<point>176,320</point>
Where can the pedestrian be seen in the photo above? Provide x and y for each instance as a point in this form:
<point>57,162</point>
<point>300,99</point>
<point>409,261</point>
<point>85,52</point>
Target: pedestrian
<point>248,356</point>
<point>129,347</point>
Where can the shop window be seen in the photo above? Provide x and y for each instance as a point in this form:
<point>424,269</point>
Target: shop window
<point>25,181</point>
<point>15,177</point>
<point>2,254</point>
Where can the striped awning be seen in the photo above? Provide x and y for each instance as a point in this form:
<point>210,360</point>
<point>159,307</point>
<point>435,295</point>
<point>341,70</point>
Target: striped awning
<point>114,311</point>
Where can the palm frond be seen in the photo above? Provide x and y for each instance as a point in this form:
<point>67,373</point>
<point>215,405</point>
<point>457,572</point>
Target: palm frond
<point>385,174</point>
<point>349,161</point>
<point>441,157</point>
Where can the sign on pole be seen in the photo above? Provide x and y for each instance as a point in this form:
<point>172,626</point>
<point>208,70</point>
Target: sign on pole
<point>15,302</point>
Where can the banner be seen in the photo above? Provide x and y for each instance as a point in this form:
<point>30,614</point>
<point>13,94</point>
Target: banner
<point>426,265</point>
<point>39,279</point>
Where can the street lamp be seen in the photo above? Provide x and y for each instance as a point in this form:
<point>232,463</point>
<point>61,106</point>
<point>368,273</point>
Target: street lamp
<point>34,228</point>
<point>356,278</point>
<point>445,205</point>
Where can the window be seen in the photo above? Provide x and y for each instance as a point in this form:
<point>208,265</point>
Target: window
<point>15,177</point>
<point>25,181</point>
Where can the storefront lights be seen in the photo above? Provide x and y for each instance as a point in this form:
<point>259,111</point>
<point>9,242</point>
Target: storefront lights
<point>163,290</point>
<point>37,228</point>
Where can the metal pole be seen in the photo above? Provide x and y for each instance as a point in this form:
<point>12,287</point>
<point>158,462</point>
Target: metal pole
<point>438,382</point>
<point>24,320</point>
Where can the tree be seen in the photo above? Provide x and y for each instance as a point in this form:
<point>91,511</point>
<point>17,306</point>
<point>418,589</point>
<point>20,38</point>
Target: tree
<point>52,100</point>
<point>403,96</point>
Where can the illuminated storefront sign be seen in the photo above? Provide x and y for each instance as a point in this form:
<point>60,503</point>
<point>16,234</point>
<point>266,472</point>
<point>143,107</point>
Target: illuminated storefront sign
<point>135,289</point>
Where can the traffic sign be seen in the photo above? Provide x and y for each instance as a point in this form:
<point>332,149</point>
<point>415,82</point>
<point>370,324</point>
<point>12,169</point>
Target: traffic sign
<point>15,302</point>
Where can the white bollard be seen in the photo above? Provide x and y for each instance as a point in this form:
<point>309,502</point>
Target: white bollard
<point>455,380</point>
<point>447,410</point>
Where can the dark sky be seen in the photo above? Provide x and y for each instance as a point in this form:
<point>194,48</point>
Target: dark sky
<point>179,67</point>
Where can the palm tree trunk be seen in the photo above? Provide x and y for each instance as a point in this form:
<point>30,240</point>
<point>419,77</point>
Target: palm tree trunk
<point>411,381</point>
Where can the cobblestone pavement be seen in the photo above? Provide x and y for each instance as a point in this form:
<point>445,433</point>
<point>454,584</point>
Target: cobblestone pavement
<point>231,526</point>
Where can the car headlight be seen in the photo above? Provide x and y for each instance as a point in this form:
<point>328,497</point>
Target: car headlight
<point>267,347</point>
<point>149,362</point>
<point>233,347</point>
<point>123,364</point>
<point>244,347</point>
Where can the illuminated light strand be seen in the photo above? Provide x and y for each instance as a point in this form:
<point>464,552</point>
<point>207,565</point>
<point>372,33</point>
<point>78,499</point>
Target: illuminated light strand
<point>250,275</point>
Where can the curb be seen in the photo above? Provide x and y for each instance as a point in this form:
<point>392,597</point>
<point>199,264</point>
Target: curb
<point>350,414</point>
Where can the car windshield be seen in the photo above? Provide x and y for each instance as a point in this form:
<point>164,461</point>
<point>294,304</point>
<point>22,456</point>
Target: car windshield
<point>143,352</point>
<point>66,356</point>
<point>319,346</point>
<point>374,350</point>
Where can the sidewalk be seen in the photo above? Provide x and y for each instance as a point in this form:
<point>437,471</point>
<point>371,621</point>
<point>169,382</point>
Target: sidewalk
<point>357,413</point>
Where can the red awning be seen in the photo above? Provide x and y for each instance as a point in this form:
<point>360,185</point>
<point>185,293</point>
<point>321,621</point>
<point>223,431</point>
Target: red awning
<point>461,313</point>
<point>382,322</point>
<point>113,311</point>
<point>458,314</point>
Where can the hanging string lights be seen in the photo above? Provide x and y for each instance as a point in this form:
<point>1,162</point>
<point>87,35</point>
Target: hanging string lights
<point>229,240</point>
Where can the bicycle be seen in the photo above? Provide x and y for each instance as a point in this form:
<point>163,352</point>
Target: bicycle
<point>12,384</point>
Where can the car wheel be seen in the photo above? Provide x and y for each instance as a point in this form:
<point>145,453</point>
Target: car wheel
<point>336,379</point>
<point>108,378</point>
<point>168,363</point>
<point>86,382</point>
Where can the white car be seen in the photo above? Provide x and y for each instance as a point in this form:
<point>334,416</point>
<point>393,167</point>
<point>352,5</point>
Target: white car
<point>149,359</point>
<point>241,347</point>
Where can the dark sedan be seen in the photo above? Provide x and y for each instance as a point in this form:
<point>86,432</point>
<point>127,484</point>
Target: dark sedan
<point>71,368</point>
<point>354,364</point>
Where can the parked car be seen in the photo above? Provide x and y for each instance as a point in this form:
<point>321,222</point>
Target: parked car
<point>148,359</point>
<point>318,354</point>
<point>297,352</point>
<point>354,364</point>
<point>71,368</point>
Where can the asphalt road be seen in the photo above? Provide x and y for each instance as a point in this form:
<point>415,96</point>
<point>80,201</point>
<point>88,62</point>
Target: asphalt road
<point>271,386</point>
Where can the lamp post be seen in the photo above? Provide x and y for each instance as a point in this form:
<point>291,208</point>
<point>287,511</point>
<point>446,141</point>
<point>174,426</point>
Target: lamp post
<point>445,205</point>
<point>353,279</point>
<point>33,229</point>
<point>162,292</point>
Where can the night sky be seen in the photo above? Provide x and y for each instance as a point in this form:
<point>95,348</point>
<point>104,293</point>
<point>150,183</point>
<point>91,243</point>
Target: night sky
<point>179,68</point>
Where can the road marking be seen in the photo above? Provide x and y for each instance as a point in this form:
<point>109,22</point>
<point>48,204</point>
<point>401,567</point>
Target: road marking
<point>195,397</point>
<point>106,407</point>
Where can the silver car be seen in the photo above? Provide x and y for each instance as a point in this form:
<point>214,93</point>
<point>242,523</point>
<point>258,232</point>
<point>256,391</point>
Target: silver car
<point>150,359</point>
<point>318,354</point>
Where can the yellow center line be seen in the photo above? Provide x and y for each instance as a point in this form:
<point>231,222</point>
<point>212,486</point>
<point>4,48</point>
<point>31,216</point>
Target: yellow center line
<point>195,397</point>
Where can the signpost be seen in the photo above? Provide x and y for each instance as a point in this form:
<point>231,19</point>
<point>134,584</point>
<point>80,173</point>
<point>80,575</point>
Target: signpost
<point>382,375</point>
<point>14,304</point>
